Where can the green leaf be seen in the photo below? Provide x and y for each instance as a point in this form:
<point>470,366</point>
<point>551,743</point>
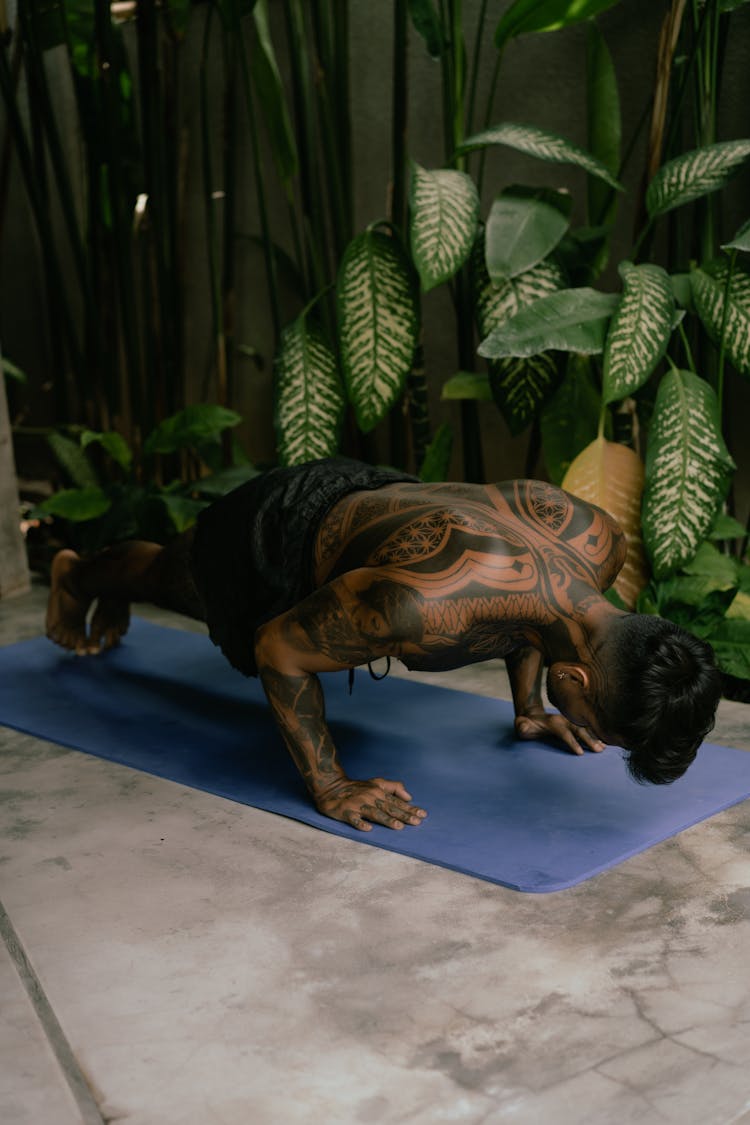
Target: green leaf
<point>378,324</point>
<point>493,304</point>
<point>218,484</point>
<point>427,22</point>
<point>13,372</point>
<point>182,510</point>
<point>639,330</point>
<point>730,641</point>
<point>191,427</point>
<point>73,460</point>
<point>525,16</point>
<point>114,444</point>
<point>572,320</point>
<point>694,174</point>
<point>709,288</point>
<point>570,419</point>
<point>726,527</point>
<point>709,562</point>
<point>681,290</point>
<point>467,385</point>
<point>542,144</point>
<point>309,396</point>
<point>696,603</point>
<point>520,387</point>
<point>686,467</point>
<point>604,124</point>
<point>444,212</point>
<point>741,240</point>
<point>267,79</point>
<point>438,455</point>
<point>77,504</point>
<point>524,226</point>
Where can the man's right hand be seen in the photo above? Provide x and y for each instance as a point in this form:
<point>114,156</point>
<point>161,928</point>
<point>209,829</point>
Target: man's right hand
<point>377,800</point>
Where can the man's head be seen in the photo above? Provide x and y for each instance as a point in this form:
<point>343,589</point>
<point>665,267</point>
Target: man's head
<point>654,691</point>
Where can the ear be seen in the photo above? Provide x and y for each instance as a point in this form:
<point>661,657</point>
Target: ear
<point>576,675</point>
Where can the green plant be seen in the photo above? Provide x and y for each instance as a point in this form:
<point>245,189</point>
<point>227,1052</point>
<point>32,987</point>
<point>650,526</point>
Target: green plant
<point>112,496</point>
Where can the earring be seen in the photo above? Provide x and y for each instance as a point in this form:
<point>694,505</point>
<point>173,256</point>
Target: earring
<point>561,675</point>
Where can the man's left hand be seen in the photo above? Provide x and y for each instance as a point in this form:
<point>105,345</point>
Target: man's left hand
<point>557,727</point>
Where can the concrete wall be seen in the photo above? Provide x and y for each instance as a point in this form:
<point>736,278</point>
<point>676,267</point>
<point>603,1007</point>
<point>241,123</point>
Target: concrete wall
<point>542,82</point>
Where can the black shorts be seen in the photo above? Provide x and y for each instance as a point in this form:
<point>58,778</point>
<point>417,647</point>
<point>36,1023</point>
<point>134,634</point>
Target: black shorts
<point>252,551</point>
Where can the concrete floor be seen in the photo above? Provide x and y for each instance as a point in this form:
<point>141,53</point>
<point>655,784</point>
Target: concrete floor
<point>172,958</point>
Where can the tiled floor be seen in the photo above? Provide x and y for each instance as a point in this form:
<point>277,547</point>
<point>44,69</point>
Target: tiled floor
<point>171,958</point>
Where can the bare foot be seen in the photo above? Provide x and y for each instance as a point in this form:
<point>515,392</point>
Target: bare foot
<point>109,623</point>
<point>66,611</point>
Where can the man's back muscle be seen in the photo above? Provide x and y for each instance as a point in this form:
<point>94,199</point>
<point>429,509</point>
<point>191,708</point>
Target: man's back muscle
<point>444,536</point>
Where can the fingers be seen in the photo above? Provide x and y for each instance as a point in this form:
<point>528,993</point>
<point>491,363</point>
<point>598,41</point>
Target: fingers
<point>383,804</point>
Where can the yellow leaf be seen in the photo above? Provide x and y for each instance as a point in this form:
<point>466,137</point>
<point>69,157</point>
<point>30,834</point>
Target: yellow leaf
<point>611,475</point>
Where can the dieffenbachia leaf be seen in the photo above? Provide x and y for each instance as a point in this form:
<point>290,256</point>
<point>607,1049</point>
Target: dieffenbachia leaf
<point>378,324</point>
<point>541,144</point>
<point>610,475</point>
<point>519,387</point>
<point>572,320</point>
<point>309,396</point>
<point>494,304</point>
<point>639,330</point>
<point>523,227</point>
<point>694,174</point>
<point>444,212</point>
<point>686,467</point>
<point>710,297</point>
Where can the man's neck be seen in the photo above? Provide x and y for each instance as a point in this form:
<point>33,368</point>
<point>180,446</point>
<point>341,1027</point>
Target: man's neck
<point>579,635</point>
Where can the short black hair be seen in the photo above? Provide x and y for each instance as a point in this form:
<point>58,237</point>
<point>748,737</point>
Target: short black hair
<point>664,691</point>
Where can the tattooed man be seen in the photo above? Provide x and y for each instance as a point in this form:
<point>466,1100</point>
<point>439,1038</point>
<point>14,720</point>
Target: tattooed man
<point>328,566</point>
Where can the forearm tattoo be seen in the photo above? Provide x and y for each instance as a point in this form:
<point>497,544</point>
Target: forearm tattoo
<point>299,708</point>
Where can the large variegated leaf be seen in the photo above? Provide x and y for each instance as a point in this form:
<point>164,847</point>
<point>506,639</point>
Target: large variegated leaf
<point>444,212</point>
<point>520,387</point>
<point>694,174</point>
<point>525,16</point>
<point>639,330</point>
<point>573,320</point>
<point>710,297</point>
<point>524,226</point>
<point>686,467</point>
<point>541,144</point>
<point>309,396</point>
<point>611,475</point>
<point>378,324</point>
<point>494,304</point>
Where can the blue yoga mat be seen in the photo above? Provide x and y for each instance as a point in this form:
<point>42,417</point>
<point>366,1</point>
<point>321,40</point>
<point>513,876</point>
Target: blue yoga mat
<point>527,815</point>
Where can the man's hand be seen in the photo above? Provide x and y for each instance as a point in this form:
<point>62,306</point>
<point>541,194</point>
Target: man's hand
<point>540,724</point>
<point>377,800</point>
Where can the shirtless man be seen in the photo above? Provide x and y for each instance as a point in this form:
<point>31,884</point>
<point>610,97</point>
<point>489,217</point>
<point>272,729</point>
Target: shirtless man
<point>326,567</point>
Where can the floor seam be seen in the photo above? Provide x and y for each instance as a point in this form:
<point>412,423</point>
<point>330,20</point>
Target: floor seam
<point>56,1037</point>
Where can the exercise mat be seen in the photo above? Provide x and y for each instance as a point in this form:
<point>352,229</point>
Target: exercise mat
<point>527,815</point>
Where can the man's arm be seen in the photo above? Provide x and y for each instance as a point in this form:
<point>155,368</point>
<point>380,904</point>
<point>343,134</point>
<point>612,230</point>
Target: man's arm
<point>525,669</point>
<point>356,618</point>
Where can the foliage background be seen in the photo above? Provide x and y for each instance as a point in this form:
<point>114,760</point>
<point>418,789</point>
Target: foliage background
<point>542,82</point>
